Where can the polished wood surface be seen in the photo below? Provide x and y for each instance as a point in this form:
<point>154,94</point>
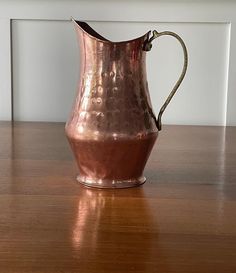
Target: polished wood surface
<point>182,220</point>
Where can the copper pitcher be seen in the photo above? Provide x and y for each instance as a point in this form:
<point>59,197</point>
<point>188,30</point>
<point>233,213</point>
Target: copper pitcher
<point>112,127</point>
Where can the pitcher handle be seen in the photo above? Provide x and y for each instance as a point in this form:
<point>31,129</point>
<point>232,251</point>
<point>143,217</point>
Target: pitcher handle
<point>147,47</point>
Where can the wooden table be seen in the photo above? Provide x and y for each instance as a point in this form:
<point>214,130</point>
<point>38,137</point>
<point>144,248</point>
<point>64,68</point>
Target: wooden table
<point>182,220</point>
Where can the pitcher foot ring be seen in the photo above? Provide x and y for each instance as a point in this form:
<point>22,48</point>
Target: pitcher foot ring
<point>112,184</point>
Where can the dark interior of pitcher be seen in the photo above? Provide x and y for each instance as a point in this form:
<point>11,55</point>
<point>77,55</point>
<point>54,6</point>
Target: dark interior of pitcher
<point>90,30</point>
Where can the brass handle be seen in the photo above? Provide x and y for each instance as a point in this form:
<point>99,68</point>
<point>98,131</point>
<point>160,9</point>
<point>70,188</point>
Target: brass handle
<point>147,47</point>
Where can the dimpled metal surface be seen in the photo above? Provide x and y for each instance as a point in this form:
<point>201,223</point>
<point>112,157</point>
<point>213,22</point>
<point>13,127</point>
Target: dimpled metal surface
<point>111,129</point>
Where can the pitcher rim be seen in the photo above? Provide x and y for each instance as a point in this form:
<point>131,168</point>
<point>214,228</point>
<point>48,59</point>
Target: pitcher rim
<point>105,39</point>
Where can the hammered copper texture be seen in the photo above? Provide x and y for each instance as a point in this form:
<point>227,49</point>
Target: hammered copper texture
<point>111,129</point>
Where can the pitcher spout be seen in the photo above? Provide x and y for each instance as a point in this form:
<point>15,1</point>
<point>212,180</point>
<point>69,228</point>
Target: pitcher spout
<point>86,29</point>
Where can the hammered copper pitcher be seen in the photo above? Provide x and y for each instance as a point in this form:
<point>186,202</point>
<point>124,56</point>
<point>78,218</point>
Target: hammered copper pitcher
<point>112,127</point>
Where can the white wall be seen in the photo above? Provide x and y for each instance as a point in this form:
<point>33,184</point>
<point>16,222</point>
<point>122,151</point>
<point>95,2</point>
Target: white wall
<point>45,57</point>
<point>5,70</point>
<point>45,65</point>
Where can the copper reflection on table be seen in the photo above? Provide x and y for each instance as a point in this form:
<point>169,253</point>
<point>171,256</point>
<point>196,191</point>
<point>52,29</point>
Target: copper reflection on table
<point>90,206</point>
<point>103,234</point>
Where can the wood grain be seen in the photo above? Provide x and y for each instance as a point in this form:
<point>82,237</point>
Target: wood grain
<point>181,220</point>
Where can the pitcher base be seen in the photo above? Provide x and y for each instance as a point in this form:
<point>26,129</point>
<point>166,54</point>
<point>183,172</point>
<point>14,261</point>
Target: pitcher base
<point>110,184</point>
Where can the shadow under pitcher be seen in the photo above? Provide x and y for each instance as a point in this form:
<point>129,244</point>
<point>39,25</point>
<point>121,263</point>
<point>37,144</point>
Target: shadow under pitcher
<point>112,127</point>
